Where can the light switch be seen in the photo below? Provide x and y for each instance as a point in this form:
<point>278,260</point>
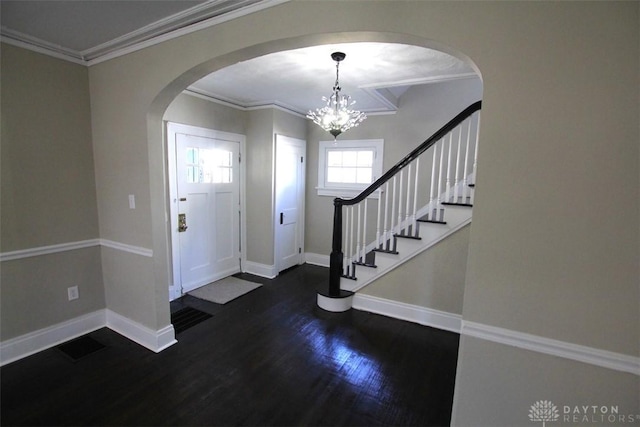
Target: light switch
<point>132,201</point>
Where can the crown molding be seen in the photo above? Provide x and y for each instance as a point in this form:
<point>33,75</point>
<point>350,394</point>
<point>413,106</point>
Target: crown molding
<point>35,44</point>
<point>194,19</point>
<point>419,81</point>
<point>242,107</point>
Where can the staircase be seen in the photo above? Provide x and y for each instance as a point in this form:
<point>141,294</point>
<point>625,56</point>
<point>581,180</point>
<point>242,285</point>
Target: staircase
<point>404,212</point>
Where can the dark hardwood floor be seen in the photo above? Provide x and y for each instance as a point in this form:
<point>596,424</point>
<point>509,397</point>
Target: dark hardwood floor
<point>271,357</point>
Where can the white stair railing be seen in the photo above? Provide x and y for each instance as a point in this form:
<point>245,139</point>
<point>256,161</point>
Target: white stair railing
<point>450,158</point>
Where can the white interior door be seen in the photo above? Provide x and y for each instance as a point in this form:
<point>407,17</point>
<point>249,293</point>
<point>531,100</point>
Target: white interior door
<point>206,208</point>
<point>290,187</point>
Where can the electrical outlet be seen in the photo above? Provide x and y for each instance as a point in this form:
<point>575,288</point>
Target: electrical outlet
<point>73,293</point>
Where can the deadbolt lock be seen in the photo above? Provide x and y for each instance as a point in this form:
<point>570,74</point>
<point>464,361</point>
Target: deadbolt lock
<point>182,223</point>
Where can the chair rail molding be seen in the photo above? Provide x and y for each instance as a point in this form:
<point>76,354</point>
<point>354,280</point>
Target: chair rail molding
<point>72,246</point>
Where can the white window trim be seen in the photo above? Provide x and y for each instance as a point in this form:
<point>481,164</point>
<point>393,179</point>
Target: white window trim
<point>352,190</point>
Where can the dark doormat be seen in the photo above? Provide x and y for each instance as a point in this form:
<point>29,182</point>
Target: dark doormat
<point>187,317</point>
<point>80,347</point>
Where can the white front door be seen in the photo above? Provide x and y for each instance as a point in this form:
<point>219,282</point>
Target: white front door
<point>206,208</point>
<point>290,187</point>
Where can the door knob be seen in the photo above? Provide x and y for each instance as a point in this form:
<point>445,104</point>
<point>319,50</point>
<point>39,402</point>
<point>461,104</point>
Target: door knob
<point>182,223</point>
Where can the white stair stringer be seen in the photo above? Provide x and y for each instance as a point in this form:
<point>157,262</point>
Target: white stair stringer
<point>430,234</point>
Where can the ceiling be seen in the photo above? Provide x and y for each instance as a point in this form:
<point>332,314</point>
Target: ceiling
<point>91,31</point>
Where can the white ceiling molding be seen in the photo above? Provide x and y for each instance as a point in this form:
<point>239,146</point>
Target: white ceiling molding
<point>196,18</point>
<point>35,44</point>
<point>234,104</point>
<point>196,14</point>
<point>419,81</point>
<point>227,16</point>
<point>385,96</point>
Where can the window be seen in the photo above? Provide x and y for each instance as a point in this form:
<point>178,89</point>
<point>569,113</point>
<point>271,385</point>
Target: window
<point>209,166</point>
<point>347,167</point>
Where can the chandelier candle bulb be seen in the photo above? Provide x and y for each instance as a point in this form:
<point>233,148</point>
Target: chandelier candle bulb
<point>337,116</point>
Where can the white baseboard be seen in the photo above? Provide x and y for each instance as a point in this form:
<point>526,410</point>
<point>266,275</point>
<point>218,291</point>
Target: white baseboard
<point>262,270</point>
<point>454,323</point>
<point>42,339</point>
<point>316,259</point>
<point>580,353</point>
<point>409,312</point>
<point>155,341</point>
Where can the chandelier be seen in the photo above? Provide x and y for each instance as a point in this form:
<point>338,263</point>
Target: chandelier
<point>337,116</point>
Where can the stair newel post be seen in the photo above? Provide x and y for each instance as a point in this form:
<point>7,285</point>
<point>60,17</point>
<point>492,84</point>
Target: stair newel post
<point>335,260</point>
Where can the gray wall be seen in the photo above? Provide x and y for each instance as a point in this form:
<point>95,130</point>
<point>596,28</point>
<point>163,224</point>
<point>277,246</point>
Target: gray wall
<point>260,187</point>
<point>48,192</point>
<point>510,380</point>
<point>194,111</point>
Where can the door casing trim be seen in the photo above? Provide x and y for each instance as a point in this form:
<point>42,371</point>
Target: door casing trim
<point>171,129</point>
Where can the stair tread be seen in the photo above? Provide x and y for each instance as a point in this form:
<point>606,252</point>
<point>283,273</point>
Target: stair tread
<point>384,251</point>
<point>365,264</point>
<point>404,236</point>
<point>433,221</point>
<point>469,205</point>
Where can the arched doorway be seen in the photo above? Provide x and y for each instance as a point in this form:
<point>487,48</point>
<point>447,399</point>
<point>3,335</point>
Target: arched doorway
<point>157,151</point>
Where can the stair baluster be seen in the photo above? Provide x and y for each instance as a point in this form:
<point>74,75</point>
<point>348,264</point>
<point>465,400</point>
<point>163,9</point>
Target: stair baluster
<point>407,217</point>
<point>458,178</point>
<point>414,223</point>
<point>475,152</point>
<point>448,181</point>
<point>386,211</point>
<point>465,182</point>
<point>432,199</point>
<point>398,225</point>
<point>439,191</point>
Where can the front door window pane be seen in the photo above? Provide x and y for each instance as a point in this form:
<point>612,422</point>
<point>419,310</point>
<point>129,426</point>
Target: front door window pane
<point>209,166</point>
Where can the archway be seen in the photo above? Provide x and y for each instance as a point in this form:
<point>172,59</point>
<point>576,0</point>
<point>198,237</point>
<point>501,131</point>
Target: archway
<point>157,151</point>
